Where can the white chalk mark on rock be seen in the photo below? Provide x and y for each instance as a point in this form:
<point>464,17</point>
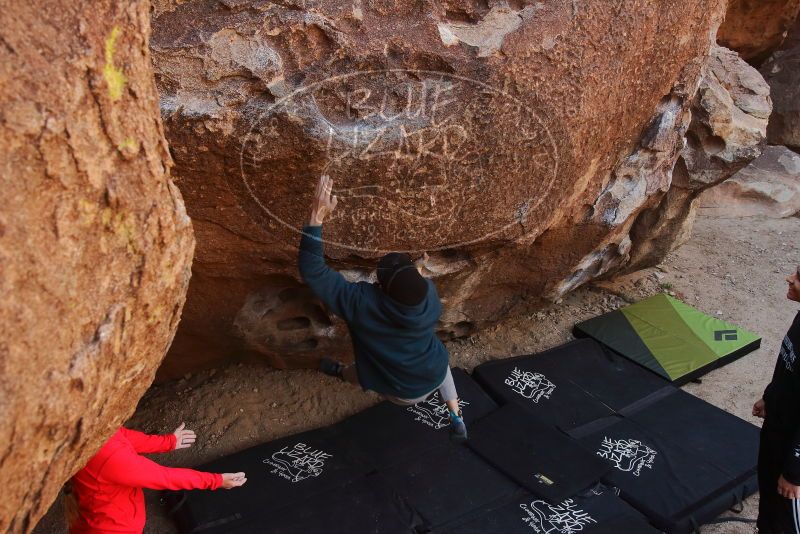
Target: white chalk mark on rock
<point>487,35</point>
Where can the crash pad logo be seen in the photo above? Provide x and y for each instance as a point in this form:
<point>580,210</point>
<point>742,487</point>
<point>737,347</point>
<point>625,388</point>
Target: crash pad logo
<point>564,518</point>
<point>298,462</point>
<point>533,386</point>
<point>725,335</point>
<point>628,455</point>
<point>433,412</point>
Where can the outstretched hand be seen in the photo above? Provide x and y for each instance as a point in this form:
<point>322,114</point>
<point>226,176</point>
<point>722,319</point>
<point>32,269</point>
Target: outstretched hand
<point>233,480</point>
<point>324,202</point>
<point>184,438</point>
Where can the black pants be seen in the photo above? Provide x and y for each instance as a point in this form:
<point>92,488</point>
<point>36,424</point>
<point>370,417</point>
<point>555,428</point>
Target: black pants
<point>776,514</point>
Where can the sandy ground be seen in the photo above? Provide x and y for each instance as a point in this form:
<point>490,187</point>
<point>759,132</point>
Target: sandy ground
<point>732,268</point>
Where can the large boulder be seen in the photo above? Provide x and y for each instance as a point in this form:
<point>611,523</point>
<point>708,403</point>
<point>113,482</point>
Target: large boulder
<point>95,244</point>
<point>782,72</point>
<point>754,28</point>
<point>769,186</point>
<point>510,141</point>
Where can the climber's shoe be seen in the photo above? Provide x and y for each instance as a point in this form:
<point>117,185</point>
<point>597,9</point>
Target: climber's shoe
<point>331,367</point>
<point>458,430</point>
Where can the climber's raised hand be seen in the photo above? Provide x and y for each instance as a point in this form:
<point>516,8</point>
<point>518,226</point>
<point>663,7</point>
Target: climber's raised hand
<point>324,202</point>
<point>421,262</point>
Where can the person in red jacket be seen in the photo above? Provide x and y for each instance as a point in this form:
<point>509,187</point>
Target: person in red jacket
<point>108,490</point>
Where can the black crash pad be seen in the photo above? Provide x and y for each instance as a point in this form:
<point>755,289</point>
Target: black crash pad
<point>581,386</point>
<point>539,457</point>
<point>671,483</point>
<point>387,434</point>
<point>366,505</point>
<point>285,473</point>
<point>279,474</point>
<point>448,483</point>
<point>599,511</point>
<point>570,385</point>
<point>711,434</point>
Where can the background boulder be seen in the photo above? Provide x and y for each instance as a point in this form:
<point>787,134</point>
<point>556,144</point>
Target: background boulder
<point>754,28</point>
<point>95,245</point>
<point>782,72</point>
<point>769,186</point>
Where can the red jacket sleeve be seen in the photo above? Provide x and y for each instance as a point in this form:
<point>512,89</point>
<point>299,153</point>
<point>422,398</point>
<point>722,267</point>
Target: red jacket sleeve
<point>146,443</point>
<point>127,468</point>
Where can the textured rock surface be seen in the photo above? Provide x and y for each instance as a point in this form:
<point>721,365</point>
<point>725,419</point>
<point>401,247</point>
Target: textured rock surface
<point>754,28</point>
<point>729,115</point>
<point>782,72</point>
<point>769,186</point>
<point>729,118</point>
<point>95,244</point>
<point>515,143</point>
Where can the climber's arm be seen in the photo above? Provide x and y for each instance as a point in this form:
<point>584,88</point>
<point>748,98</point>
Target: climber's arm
<point>339,295</point>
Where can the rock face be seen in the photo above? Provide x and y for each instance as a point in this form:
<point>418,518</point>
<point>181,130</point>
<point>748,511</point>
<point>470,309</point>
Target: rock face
<point>516,143</point>
<point>782,72</point>
<point>728,130</point>
<point>769,186</point>
<point>95,244</point>
<point>729,118</point>
<point>754,28</point>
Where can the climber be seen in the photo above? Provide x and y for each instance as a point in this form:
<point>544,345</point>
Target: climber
<point>106,495</point>
<point>391,323</point>
<point>779,449</point>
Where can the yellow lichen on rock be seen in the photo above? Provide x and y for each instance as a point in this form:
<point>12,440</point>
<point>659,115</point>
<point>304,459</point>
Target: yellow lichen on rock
<point>129,145</point>
<point>113,75</point>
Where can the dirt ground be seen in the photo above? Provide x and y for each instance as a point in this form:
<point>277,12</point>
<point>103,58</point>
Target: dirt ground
<point>731,268</point>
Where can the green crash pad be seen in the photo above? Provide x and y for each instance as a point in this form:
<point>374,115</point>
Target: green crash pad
<point>669,337</point>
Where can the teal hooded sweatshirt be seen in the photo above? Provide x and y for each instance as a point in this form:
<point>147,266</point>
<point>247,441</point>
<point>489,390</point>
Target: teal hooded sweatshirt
<point>396,348</point>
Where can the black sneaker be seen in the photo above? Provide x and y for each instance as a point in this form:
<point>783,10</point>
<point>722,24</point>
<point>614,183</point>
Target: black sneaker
<point>331,367</point>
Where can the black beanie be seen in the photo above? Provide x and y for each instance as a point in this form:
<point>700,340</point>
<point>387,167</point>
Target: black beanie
<point>400,279</point>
